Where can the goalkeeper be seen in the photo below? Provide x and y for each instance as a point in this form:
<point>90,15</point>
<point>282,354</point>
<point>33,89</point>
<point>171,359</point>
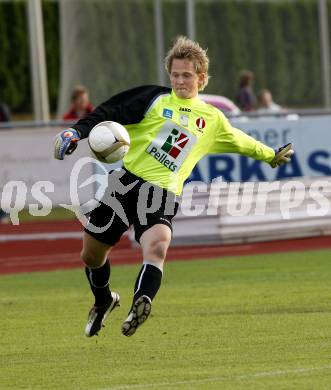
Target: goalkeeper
<point>170,131</point>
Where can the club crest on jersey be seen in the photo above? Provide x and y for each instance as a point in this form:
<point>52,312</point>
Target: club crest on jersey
<point>200,123</point>
<point>167,113</point>
<point>171,146</point>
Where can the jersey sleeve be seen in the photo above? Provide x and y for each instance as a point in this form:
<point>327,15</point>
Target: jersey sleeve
<point>229,139</point>
<point>127,107</point>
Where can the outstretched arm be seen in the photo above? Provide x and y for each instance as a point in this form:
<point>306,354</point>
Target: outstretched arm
<point>232,140</point>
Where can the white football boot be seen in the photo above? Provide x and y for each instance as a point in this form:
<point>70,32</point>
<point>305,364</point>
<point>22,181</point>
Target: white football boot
<point>139,313</point>
<point>98,314</point>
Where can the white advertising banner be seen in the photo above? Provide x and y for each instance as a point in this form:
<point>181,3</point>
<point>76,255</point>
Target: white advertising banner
<point>29,174</point>
<point>311,137</point>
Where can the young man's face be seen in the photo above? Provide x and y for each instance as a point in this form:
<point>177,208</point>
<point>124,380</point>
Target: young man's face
<point>185,81</point>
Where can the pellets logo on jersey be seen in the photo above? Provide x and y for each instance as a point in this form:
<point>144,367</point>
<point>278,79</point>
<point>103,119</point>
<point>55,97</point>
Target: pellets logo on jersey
<point>171,145</point>
<point>175,142</point>
<point>201,123</point>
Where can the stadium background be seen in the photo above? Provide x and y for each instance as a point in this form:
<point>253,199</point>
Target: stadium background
<point>278,40</point>
<point>254,312</point>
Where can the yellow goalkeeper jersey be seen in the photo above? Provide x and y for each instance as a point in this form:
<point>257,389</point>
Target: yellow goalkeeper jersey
<point>170,135</point>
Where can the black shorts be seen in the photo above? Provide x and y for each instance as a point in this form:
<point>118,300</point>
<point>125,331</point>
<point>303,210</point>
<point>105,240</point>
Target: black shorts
<point>130,200</point>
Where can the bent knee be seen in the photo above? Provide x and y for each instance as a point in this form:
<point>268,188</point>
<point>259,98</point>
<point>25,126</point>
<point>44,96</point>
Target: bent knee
<point>93,258</point>
<point>94,252</point>
<point>158,249</point>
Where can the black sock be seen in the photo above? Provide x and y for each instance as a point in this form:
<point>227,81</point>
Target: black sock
<point>148,282</point>
<point>99,282</point>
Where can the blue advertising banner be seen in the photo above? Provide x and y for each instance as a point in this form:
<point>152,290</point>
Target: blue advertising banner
<point>311,138</point>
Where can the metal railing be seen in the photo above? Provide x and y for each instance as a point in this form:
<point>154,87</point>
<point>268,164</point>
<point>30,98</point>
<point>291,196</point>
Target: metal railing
<point>289,114</point>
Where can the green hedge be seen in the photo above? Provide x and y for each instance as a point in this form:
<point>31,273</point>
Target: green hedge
<point>15,86</point>
<point>277,40</point>
<point>52,47</point>
<point>14,70</point>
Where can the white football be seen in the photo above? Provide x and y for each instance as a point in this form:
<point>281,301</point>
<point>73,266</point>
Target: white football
<point>109,141</point>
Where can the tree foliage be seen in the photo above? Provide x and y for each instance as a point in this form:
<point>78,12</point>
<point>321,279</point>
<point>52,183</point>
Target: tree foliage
<point>277,40</point>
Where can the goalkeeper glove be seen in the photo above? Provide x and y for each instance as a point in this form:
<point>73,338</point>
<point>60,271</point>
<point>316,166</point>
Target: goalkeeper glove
<point>65,143</point>
<point>282,155</point>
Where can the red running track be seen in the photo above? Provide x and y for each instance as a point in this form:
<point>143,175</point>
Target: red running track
<point>17,255</point>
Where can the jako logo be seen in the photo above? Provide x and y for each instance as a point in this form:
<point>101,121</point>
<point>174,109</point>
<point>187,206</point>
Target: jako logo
<point>175,143</point>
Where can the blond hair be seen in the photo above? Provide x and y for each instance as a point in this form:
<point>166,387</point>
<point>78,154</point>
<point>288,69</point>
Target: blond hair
<point>185,48</point>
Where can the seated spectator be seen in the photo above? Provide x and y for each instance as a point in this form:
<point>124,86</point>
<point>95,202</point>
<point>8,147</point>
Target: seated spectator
<point>265,103</point>
<point>80,104</point>
<point>4,113</point>
<point>245,97</point>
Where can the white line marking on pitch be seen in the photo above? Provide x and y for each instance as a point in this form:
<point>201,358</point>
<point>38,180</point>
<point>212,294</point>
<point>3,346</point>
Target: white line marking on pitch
<point>218,379</point>
<point>40,236</point>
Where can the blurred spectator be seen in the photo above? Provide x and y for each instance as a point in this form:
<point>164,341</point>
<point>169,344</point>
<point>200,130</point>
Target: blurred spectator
<point>4,113</point>
<point>245,97</point>
<point>265,103</point>
<point>80,104</point>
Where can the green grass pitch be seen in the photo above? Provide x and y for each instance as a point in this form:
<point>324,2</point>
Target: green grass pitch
<point>258,322</point>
